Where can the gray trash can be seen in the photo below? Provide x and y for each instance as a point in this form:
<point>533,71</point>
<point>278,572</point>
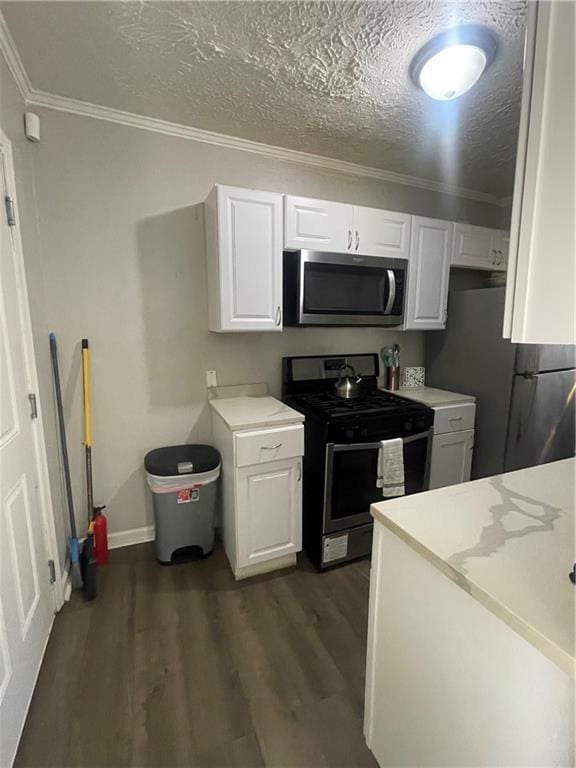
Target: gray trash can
<point>184,484</point>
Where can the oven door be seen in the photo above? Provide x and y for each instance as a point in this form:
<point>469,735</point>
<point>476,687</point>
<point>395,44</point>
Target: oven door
<point>351,474</point>
<point>346,289</point>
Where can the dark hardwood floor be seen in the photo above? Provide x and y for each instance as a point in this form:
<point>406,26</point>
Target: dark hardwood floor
<point>182,666</point>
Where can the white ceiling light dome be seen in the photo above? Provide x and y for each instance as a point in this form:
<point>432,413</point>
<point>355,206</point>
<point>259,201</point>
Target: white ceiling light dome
<point>451,63</point>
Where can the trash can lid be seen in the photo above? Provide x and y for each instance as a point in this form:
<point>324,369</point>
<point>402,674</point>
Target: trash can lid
<point>181,460</point>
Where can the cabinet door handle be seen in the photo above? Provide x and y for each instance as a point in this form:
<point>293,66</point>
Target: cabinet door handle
<point>299,471</point>
<point>357,240</point>
<point>272,447</point>
<point>349,239</point>
<point>494,256</point>
<point>278,316</point>
<point>500,258</point>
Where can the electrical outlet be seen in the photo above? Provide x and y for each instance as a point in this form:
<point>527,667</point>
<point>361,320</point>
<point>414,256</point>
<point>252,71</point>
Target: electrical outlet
<point>211,379</point>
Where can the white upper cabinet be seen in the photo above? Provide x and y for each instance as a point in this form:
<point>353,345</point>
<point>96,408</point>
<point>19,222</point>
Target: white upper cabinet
<point>540,295</point>
<point>428,274</point>
<point>381,233</point>
<point>244,253</point>
<point>479,248</point>
<point>500,248</point>
<point>318,225</point>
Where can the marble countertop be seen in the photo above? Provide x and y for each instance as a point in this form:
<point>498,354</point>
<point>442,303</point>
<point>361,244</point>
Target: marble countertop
<point>253,412</point>
<point>508,540</point>
<point>432,397</point>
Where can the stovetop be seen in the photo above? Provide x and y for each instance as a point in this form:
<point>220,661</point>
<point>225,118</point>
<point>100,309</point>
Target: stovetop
<point>372,402</point>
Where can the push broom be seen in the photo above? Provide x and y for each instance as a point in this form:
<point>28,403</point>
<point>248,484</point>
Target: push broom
<point>75,573</point>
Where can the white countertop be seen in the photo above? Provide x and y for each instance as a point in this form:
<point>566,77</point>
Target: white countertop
<point>254,412</point>
<point>507,540</point>
<point>432,397</point>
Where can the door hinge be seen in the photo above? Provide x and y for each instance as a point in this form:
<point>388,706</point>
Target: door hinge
<point>10,211</point>
<point>52,570</point>
<point>33,406</point>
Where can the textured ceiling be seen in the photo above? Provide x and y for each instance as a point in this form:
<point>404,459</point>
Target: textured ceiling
<point>329,78</point>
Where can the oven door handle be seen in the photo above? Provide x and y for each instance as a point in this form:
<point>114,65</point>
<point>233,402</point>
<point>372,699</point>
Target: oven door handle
<point>376,446</point>
<point>391,291</point>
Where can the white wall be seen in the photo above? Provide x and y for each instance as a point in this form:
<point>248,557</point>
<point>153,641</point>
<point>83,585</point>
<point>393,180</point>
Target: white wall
<point>119,258</point>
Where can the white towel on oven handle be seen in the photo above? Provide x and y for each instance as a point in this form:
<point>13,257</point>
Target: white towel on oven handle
<point>391,468</point>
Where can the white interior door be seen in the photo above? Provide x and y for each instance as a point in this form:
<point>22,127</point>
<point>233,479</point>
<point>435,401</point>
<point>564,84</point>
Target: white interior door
<point>26,596</point>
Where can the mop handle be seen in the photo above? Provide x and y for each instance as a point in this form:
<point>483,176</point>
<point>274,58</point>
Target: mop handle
<point>86,388</point>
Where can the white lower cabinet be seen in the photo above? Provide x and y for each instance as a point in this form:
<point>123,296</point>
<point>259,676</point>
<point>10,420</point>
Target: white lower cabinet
<point>451,458</point>
<point>452,445</point>
<point>261,496</point>
<point>269,514</point>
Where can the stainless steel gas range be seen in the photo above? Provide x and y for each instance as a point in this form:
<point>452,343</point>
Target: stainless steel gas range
<point>342,441</point>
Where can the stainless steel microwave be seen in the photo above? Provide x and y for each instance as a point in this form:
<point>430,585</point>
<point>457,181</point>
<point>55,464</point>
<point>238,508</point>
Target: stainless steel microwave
<point>343,289</point>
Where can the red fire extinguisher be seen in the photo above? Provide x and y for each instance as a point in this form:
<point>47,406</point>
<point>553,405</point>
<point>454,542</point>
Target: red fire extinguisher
<point>100,536</point>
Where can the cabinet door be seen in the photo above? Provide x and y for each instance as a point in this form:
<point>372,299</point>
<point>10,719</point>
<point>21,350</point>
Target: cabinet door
<point>472,247</point>
<point>428,274</point>
<point>318,225</point>
<point>249,259</point>
<point>500,248</point>
<point>269,511</point>
<point>541,296</point>
<point>381,233</point>
<point>451,458</point>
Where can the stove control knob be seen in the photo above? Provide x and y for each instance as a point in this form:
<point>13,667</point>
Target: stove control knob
<point>408,426</point>
<point>363,433</point>
<point>349,434</point>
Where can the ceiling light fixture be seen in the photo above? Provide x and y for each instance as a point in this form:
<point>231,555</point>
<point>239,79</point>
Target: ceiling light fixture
<point>449,64</point>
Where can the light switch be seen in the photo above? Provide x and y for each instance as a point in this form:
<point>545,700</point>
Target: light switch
<point>211,379</point>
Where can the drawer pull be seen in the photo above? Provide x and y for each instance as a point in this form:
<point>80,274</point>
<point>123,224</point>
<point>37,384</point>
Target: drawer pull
<point>455,418</point>
<point>271,447</point>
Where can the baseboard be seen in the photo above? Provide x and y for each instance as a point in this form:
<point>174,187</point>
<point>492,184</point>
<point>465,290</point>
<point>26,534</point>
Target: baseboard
<point>285,561</point>
<point>130,537</point>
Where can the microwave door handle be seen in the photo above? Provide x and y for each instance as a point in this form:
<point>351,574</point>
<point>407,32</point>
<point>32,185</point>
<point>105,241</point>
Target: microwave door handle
<point>391,291</point>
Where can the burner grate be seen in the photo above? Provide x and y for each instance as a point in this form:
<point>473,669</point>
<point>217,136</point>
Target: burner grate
<point>367,402</point>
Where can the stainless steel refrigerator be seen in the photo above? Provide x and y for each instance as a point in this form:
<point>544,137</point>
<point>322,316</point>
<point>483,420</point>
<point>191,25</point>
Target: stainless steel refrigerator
<point>524,392</point>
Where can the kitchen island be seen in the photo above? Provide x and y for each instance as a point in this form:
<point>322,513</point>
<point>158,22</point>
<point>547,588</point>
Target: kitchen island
<point>471,633</point>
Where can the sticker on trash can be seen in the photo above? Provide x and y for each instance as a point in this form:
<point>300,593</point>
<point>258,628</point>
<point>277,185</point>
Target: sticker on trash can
<point>187,495</point>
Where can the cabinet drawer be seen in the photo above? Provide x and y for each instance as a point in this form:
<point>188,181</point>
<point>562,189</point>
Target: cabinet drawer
<point>454,418</point>
<point>265,445</point>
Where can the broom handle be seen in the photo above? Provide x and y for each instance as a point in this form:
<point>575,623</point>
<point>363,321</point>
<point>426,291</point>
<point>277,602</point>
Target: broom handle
<point>62,429</point>
<point>87,427</point>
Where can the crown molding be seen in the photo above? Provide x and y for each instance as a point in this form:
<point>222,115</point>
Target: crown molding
<point>46,100</point>
<point>86,109</point>
<point>13,60</point>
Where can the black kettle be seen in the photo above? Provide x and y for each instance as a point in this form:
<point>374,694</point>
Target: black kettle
<point>347,386</point>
